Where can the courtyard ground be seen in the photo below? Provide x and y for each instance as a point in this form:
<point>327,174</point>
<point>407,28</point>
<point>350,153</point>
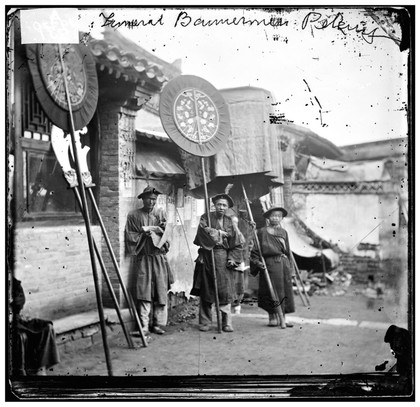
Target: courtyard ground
<point>335,335</point>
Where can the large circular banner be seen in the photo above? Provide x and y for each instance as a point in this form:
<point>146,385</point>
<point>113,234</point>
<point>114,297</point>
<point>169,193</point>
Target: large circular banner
<point>194,115</point>
<point>48,80</point>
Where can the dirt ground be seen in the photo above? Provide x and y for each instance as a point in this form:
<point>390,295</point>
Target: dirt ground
<point>335,335</point>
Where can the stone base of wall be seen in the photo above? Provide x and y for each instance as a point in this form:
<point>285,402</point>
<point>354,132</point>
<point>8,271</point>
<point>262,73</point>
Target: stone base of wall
<point>83,330</point>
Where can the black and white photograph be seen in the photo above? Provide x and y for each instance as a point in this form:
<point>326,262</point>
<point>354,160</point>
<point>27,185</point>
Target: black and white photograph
<point>209,202</point>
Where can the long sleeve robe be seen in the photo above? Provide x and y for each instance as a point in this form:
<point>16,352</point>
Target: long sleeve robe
<point>224,249</point>
<point>150,265</point>
<point>276,252</point>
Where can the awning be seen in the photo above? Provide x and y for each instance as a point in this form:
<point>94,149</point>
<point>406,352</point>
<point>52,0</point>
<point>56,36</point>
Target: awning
<point>302,245</point>
<point>158,164</point>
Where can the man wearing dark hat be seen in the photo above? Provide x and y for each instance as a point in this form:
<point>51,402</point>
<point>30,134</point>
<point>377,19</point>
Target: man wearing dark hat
<point>153,274</point>
<point>221,237</point>
<point>274,243</point>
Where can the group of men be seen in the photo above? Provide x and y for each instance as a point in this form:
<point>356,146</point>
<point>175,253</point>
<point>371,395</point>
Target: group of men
<point>220,255</point>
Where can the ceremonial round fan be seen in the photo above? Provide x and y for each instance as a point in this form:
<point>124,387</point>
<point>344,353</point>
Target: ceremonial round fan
<point>194,115</point>
<point>48,80</point>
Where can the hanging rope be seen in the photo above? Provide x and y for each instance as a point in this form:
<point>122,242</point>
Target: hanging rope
<point>376,227</point>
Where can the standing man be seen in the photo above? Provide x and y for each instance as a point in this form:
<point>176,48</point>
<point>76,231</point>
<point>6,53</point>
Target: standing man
<point>153,274</point>
<point>275,247</point>
<point>221,237</point>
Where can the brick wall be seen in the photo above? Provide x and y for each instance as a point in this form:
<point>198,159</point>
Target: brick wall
<point>53,263</point>
<point>386,271</point>
<point>361,267</point>
<point>117,161</point>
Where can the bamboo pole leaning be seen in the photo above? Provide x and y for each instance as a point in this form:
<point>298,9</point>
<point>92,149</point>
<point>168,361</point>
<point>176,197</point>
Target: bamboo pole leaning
<point>86,219</point>
<point>300,279</point>
<point>127,295</point>
<point>108,281</point>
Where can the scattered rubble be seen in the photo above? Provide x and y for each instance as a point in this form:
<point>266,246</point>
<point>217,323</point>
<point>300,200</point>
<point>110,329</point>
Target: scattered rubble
<point>183,312</point>
<point>334,283</point>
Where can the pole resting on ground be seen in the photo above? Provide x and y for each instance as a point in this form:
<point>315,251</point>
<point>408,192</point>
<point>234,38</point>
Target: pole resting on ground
<point>213,264</point>
<point>86,219</point>
<point>277,310</point>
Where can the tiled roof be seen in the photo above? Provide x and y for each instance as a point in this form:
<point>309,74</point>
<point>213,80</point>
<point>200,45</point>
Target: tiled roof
<point>128,65</point>
<point>309,142</point>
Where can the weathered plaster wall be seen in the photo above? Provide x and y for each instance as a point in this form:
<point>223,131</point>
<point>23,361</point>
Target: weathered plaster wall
<point>344,219</point>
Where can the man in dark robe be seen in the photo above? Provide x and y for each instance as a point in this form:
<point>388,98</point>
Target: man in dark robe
<point>149,263</point>
<point>221,237</point>
<point>275,247</point>
<point>34,349</point>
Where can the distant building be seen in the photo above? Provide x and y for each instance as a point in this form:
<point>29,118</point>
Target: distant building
<point>360,204</point>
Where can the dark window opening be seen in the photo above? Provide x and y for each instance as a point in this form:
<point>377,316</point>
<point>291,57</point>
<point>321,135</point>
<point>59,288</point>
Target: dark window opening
<point>45,190</point>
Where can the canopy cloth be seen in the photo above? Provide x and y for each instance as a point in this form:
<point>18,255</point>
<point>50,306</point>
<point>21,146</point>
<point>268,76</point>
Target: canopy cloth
<point>251,154</point>
<point>159,164</point>
<point>302,245</point>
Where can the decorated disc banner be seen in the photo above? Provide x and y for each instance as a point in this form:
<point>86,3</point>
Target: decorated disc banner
<point>194,115</point>
<point>48,80</point>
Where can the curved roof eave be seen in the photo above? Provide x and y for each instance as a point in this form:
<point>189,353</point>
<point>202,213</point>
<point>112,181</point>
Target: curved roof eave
<point>309,142</point>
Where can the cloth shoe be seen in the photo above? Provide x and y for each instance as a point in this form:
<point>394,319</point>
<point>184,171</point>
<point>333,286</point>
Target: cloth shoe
<point>227,322</point>
<point>227,328</point>
<point>204,328</point>
<point>158,330</point>
<point>272,320</point>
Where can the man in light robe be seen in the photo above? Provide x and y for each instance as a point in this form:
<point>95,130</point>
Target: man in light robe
<point>149,262</point>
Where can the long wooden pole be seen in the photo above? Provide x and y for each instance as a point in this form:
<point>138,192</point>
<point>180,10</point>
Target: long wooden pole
<point>276,303</point>
<point>127,295</point>
<point>299,277</point>
<point>206,195</point>
<point>213,263</point>
<point>87,221</point>
<point>107,280</point>
<point>298,290</point>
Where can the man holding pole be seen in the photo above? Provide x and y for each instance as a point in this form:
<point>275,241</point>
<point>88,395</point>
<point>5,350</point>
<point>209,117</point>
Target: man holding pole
<point>153,274</point>
<point>221,239</point>
<point>273,242</point>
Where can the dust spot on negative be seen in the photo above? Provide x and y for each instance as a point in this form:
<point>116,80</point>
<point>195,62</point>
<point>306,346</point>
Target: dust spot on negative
<point>214,338</point>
